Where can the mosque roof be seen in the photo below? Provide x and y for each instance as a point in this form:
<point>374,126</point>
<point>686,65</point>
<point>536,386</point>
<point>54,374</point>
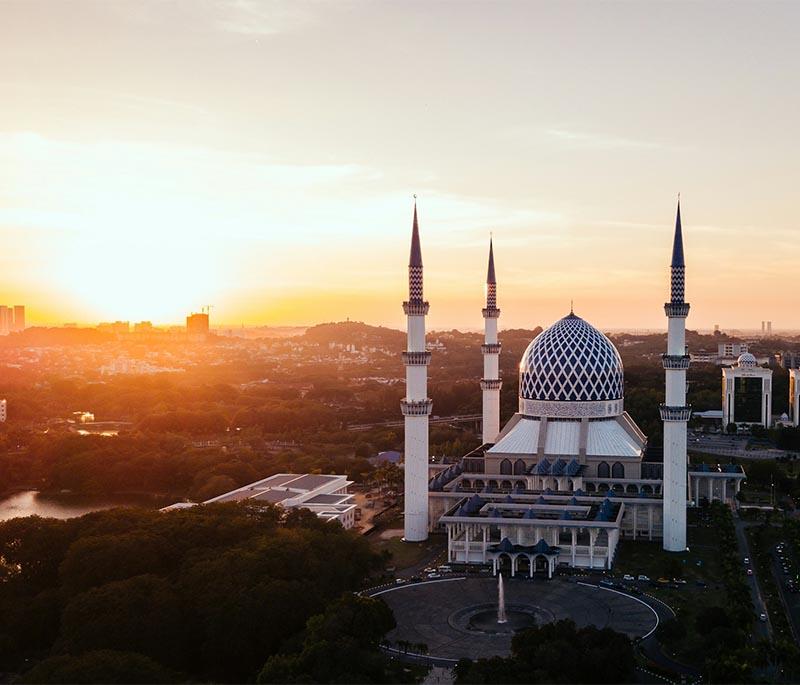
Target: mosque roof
<point>615,436</point>
<point>571,361</point>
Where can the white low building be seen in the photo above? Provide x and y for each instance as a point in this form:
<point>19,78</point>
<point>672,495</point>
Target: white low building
<point>324,494</point>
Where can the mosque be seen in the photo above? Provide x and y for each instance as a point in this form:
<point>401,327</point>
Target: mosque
<point>570,474</point>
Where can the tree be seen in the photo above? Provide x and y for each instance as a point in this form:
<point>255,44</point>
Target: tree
<point>556,652</point>
<point>341,645</point>
<point>104,666</point>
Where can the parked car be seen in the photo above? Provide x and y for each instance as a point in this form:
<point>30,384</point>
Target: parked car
<point>628,577</point>
<point>432,576</point>
<point>643,578</point>
<point>400,581</point>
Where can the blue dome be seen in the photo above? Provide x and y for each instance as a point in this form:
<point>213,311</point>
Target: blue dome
<point>571,362</point>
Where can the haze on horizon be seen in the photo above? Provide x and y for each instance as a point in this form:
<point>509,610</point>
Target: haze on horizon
<point>156,157</point>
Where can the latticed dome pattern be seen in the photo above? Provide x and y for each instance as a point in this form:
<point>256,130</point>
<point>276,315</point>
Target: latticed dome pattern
<point>747,360</point>
<point>571,362</point>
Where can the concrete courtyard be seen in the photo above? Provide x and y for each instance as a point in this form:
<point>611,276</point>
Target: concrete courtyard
<point>432,612</point>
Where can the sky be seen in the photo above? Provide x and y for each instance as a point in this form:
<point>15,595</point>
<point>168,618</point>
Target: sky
<point>159,156</point>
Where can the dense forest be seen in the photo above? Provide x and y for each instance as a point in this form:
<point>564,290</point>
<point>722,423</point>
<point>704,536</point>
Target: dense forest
<point>218,593</point>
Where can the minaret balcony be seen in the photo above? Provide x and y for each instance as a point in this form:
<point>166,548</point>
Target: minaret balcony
<point>415,308</point>
<point>416,407</point>
<point>491,383</point>
<point>675,361</point>
<point>675,413</point>
<point>416,358</point>
<point>491,313</point>
<point>677,309</point>
<point>491,348</point>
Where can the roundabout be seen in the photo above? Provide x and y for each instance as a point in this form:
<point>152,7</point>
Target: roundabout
<point>458,617</point>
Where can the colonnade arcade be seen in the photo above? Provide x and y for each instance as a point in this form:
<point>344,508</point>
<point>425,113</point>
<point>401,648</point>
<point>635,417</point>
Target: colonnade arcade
<point>579,546</point>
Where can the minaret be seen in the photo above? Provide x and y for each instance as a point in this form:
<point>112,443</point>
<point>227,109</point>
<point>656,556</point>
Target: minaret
<point>416,406</point>
<point>675,412</point>
<point>490,383</point>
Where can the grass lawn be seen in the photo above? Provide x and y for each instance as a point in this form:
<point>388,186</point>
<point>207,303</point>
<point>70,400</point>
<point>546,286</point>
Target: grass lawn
<point>406,554</point>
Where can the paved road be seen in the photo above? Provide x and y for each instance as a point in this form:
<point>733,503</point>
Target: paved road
<point>761,629</point>
<point>790,603</point>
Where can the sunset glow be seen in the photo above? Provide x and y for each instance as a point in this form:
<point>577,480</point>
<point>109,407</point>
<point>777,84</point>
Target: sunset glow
<point>261,157</point>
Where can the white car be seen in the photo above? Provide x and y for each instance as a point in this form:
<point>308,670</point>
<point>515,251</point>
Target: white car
<point>762,618</point>
<point>431,576</point>
<point>643,578</point>
<point>628,577</point>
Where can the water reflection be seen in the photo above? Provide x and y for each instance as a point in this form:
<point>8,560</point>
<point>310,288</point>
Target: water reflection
<point>31,502</point>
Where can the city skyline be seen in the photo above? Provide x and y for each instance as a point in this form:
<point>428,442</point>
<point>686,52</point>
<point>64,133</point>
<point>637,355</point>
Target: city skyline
<point>247,155</point>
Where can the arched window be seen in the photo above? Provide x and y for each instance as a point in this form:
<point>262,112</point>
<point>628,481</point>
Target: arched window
<point>505,467</point>
<point>632,489</point>
<point>505,485</point>
<point>479,485</point>
<point>519,467</point>
<point>617,470</point>
<point>602,470</point>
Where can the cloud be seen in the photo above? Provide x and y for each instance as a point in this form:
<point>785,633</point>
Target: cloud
<point>599,141</point>
<point>259,18</point>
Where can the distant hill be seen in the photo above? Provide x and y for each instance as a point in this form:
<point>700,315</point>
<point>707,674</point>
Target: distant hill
<point>356,333</point>
<point>46,337</point>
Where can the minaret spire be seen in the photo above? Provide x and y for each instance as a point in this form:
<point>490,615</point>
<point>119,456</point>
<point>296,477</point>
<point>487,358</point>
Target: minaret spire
<point>675,413</point>
<point>415,262</point>
<point>416,406</point>
<point>677,266</point>
<point>491,383</point>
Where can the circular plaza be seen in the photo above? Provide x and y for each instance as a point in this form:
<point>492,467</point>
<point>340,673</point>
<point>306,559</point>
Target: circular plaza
<point>456,617</point>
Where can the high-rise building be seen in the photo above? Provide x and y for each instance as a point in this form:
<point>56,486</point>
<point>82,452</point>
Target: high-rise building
<point>491,383</point>
<point>197,327</point>
<point>19,318</point>
<point>747,393</point>
<point>794,396</point>
<point>6,320</point>
<point>417,405</point>
<point>675,412</point>
<point>769,329</point>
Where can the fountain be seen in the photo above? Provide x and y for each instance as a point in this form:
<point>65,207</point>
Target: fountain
<point>501,601</point>
<point>499,618</point>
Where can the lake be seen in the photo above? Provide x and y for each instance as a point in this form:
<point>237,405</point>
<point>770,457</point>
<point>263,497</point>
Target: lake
<point>65,506</point>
